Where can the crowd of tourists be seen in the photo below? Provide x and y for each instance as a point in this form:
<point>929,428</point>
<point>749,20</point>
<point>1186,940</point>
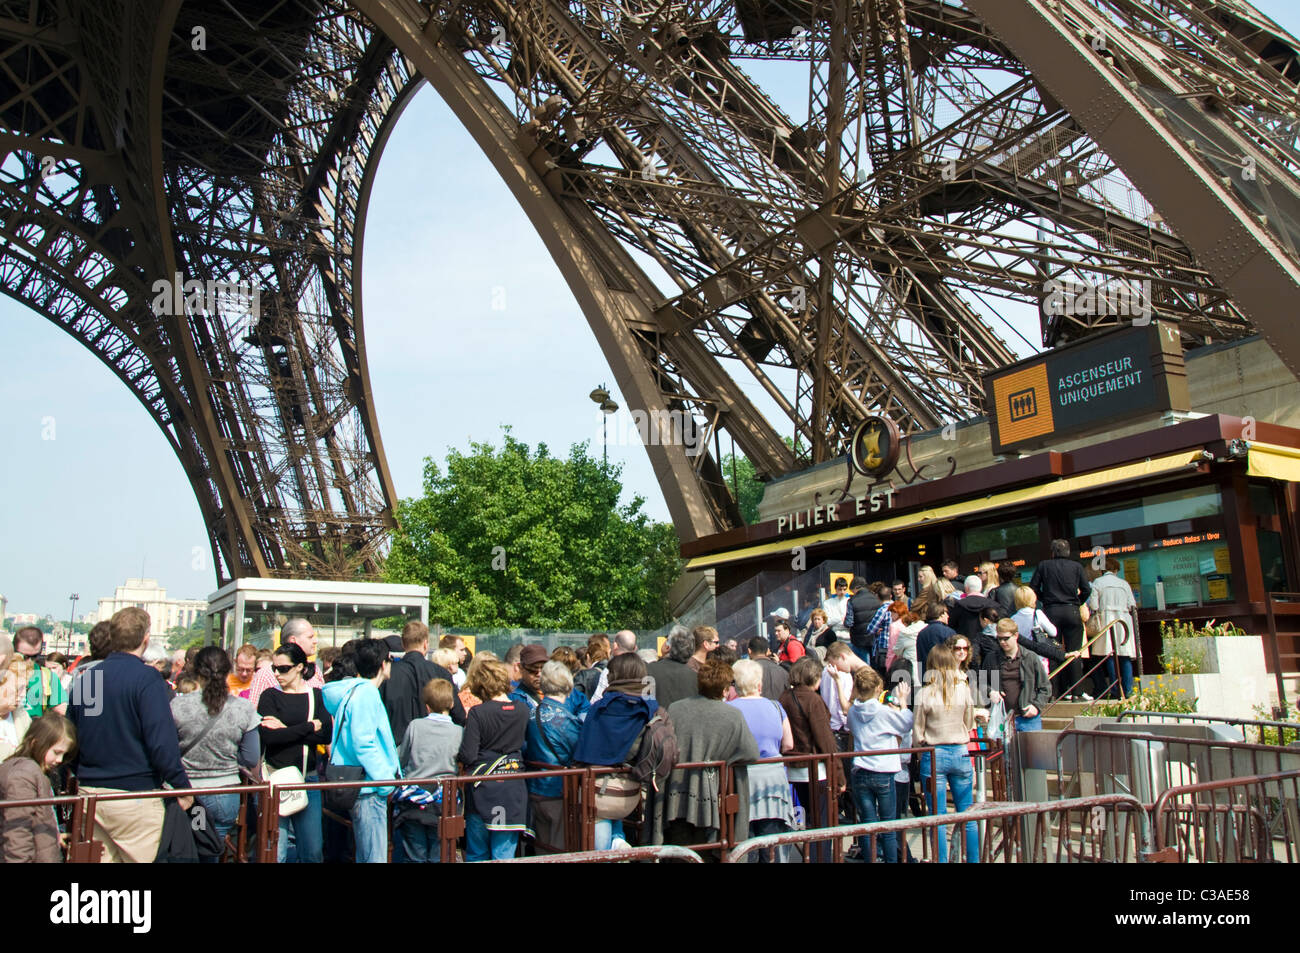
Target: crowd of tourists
<point>867,670</point>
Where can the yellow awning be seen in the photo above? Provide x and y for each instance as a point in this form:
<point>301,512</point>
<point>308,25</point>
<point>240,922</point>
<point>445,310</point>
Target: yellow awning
<point>941,514</point>
<point>1274,462</point>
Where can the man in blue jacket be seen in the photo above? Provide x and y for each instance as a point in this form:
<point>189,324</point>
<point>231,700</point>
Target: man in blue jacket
<point>127,741</point>
<point>362,736</point>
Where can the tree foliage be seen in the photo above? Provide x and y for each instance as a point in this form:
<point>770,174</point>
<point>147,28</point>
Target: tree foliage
<point>513,537</point>
<point>738,471</point>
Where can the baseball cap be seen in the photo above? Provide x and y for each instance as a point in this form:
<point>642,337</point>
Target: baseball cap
<point>782,613</point>
<point>532,655</point>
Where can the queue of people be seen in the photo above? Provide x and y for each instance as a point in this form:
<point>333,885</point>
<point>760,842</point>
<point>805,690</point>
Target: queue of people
<point>870,671</point>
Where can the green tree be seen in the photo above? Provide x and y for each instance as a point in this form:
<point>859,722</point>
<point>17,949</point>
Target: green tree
<point>518,538</point>
<point>739,474</point>
<point>738,471</point>
<point>181,637</point>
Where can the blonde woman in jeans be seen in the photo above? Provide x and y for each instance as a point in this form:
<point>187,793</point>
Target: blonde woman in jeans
<point>945,715</point>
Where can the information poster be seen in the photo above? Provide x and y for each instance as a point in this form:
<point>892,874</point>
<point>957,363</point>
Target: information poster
<point>470,642</point>
<point>1218,589</point>
<point>1132,573</point>
<point>1181,571</point>
<point>1221,562</point>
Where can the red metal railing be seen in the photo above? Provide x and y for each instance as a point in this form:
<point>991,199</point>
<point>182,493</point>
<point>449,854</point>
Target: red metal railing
<point>1080,829</point>
<point>1232,820</point>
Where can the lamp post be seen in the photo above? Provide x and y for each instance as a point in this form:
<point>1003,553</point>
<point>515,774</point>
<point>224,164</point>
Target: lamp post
<point>72,615</point>
<point>600,397</point>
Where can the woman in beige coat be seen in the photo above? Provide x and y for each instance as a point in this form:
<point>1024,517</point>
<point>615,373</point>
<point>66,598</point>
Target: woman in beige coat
<point>31,834</point>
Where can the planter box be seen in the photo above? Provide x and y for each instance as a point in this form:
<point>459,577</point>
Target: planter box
<point>1093,722</point>
<point>1234,680</point>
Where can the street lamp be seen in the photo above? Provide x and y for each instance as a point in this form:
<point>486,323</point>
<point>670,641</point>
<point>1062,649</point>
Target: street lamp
<point>600,397</point>
<point>72,615</point>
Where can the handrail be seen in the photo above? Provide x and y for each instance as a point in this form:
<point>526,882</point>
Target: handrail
<point>1101,660</point>
<point>1218,720</point>
<point>1274,650</point>
<point>990,810</point>
<point>654,852</point>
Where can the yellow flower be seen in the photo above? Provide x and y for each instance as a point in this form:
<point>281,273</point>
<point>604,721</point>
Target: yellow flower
<point>1182,690</point>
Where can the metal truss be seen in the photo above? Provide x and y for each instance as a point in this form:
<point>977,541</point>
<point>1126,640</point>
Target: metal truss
<point>184,186</point>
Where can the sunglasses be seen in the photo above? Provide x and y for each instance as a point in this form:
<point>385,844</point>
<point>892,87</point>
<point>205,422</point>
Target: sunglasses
<point>1006,638</point>
<point>961,648</point>
<point>283,669</point>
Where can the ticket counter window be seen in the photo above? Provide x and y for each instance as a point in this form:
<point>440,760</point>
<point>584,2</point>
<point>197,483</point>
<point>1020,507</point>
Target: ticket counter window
<point>1193,574</point>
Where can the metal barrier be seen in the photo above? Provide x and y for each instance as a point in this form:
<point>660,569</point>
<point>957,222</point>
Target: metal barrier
<point>83,848</point>
<point>1145,764</point>
<point>660,852</point>
<point>577,796</point>
<point>1234,820</point>
<point>1281,726</point>
<point>1086,829</point>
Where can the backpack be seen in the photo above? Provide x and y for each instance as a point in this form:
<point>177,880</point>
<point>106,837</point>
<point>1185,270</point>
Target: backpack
<point>654,753</point>
<point>588,679</point>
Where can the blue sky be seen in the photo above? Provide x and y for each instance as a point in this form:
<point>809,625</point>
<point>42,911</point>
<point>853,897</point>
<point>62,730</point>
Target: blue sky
<point>105,497</point>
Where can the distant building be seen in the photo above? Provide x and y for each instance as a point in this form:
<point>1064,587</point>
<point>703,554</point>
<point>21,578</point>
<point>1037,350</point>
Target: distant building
<point>146,594</point>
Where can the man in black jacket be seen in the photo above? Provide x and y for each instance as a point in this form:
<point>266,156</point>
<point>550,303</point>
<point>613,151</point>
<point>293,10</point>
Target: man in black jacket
<point>409,675</point>
<point>1021,678</point>
<point>1062,587</point>
<point>964,614</point>
<point>1005,594</point>
<point>864,604</point>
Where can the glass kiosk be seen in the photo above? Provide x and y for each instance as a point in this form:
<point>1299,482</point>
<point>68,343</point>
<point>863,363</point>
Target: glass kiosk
<point>253,610</point>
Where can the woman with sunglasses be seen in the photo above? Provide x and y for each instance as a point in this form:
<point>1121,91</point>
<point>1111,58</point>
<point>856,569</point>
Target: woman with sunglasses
<point>959,645</point>
<point>294,722</point>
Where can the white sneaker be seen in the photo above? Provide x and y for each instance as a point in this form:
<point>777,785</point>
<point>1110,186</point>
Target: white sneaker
<point>619,843</point>
<point>1085,697</point>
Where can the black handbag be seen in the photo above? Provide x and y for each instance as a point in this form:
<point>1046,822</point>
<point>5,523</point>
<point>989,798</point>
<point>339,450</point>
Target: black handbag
<point>206,841</point>
<point>340,800</point>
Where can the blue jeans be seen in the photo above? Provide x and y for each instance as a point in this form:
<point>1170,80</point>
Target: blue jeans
<point>370,828</point>
<point>420,842</point>
<point>606,831</point>
<point>221,811</point>
<point>1029,724</point>
<point>953,770</point>
<point>1125,674</point>
<point>308,844</point>
<point>483,844</point>
<point>873,792</point>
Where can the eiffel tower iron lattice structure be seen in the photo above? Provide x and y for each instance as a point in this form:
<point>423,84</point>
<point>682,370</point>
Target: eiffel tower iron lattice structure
<point>184,188</point>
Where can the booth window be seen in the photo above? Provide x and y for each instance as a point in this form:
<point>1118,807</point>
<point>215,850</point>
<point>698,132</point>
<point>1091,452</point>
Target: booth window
<point>1194,574</point>
<point>1150,510</point>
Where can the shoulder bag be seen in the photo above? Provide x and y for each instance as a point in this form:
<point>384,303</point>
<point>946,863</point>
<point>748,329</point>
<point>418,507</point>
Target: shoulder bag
<point>340,800</point>
<point>291,802</point>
